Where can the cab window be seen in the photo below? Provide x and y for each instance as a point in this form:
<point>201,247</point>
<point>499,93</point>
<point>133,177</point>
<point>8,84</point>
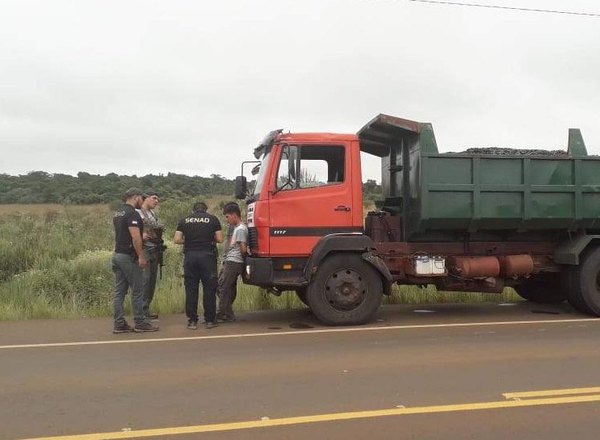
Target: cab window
<point>310,166</point>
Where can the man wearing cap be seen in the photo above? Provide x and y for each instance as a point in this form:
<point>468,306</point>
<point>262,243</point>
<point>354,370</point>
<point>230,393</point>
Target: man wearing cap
<point>128,262</point>
<point>198,233</point>
<point>153,247</point>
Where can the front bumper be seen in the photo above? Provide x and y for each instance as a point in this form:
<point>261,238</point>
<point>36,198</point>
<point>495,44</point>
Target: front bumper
<point>275,272</point>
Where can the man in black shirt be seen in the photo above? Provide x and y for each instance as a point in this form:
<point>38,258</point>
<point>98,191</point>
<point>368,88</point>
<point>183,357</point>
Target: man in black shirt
<point>128,262</point>
<point>198,233</point>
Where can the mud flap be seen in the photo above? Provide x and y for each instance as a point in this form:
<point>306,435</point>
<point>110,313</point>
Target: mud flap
<point>378,264</point>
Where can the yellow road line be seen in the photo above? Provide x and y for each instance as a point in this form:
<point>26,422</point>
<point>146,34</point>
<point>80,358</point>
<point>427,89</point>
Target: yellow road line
<point>319,418</point>
<point>296,332</point>
<point>564,392</point>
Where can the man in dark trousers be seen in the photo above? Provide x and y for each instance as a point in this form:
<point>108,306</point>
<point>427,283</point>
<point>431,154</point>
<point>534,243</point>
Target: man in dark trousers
<point>234,252</point>
<point>128,262</point>
<point>153,248</point>
<point>198,233</point>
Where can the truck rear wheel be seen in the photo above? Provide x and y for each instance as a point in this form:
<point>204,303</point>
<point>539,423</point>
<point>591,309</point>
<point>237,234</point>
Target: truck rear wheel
<point>573,297</point>
<point>584,293</point>
<point>546,289</point>
<point>346,290</point>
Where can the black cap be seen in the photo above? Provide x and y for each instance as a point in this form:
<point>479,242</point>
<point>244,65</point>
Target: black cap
<point>132,192</point>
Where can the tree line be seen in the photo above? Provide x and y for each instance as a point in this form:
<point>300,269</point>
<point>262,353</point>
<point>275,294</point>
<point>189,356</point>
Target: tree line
<point>86,188</point>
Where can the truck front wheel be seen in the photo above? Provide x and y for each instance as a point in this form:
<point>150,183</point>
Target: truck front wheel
<point>346,290</point>
<point>584,280</point>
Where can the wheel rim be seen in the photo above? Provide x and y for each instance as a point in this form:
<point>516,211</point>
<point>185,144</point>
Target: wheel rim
<point>345,290</point>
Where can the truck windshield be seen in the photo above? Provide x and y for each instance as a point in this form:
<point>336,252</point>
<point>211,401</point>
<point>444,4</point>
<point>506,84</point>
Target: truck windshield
<point>260,178</point>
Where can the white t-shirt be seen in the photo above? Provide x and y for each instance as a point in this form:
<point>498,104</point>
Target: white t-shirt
<point>240,235</point>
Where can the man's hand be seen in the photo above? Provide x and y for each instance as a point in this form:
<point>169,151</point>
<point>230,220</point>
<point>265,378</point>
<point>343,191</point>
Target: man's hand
<point>136,239</point>
<point>142,262</point>
<point>178,238</point>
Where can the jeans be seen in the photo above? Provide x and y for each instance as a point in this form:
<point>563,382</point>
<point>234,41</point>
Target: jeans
<point>200,266</point>
<point>149,278</point>
<point>227,290</point>
<point>127,274</point>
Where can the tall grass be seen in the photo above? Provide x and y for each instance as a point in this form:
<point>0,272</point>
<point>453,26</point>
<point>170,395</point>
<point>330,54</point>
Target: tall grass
<point>55,262</point>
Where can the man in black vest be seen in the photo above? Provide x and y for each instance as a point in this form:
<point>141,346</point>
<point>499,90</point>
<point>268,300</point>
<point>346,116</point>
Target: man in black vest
<point>198,233</point>
<point>128,262</point>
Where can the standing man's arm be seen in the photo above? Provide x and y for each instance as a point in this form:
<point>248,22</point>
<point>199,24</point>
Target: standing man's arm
<point>178,238</point>
<point>241,238</point>
<point>136,239</point>
<point>218,231</point>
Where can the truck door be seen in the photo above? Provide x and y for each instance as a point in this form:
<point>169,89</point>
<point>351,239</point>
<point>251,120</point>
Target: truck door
<point>312,197</point>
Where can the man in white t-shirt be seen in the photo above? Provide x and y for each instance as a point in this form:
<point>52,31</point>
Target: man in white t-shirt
<point>233,263</point>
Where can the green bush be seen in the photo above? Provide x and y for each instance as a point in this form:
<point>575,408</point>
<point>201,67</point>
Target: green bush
<point>80,286</point>
<point>55,262</point>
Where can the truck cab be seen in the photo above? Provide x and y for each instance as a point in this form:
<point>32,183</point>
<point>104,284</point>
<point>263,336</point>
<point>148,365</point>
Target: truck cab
<point>308,186</point>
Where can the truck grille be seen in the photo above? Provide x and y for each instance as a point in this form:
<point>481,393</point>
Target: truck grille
<point>253,239</point>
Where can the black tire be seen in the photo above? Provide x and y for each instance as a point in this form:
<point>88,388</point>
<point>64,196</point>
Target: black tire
<point>543,289</point>
<point>346,290</point>
<point>573,297</point>
<point>584,294</point>
<point>301,294</point>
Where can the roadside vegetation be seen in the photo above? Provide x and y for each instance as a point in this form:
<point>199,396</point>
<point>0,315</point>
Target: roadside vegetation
<point>55,263</point>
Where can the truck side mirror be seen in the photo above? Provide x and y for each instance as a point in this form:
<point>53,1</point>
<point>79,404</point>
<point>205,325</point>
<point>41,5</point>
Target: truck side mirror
<point>241,187</point>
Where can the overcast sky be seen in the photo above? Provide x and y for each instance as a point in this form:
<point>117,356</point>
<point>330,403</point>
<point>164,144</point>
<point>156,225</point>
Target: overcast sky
<point>139,87</point>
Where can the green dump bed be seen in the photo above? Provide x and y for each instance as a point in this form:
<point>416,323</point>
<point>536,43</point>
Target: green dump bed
<point>469,192</point>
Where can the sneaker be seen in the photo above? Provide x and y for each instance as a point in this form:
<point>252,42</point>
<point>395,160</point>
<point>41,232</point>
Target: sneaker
<point>225,318</point>
<point>192,325</point>
<point>210,324</point>
<point>145,327</point>
<point>123,328</point>
<point>152,316</point>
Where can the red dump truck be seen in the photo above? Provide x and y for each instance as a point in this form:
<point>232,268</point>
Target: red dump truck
<point>461,221</point>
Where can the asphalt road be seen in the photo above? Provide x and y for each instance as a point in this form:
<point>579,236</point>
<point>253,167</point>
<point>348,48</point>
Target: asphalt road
<point>428,372</point>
